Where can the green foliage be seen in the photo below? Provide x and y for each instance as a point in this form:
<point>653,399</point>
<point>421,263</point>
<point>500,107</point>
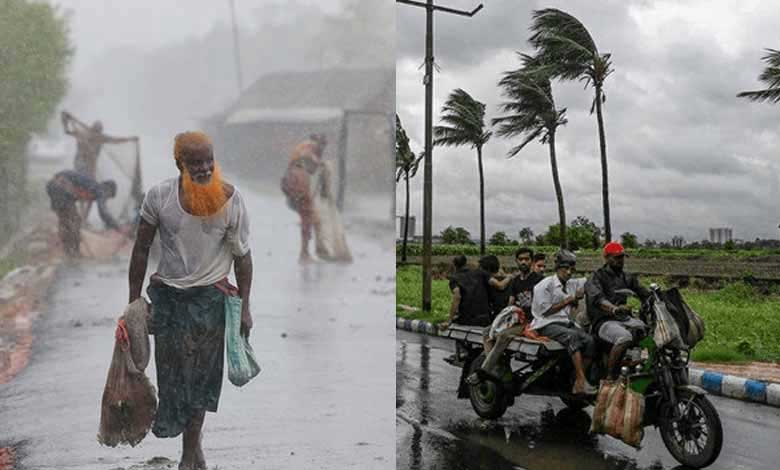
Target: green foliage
<point>582,234</point>
<point>34,53</point>
<point>408,291</point>
<point>629,240</point>
<point>455,236</point>
<point>500,239</point>
<point>729,245</point>
<point>406,163</point>
<point>526,235</point>
<point>770,76</point>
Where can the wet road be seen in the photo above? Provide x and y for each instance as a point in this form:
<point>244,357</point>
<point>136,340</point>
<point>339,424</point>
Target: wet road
<point>435,430</point>
<point>324,337</point>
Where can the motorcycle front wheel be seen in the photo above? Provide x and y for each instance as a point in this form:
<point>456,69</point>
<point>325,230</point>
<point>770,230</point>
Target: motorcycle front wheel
<point>695,439</point>
<point>488,398</point>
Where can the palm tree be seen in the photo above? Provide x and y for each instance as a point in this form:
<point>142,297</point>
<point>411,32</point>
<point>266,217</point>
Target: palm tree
<point>464,124</point>
<point>406,165</point>
<point>568,52</point>
<point>531,112</point>
<point>770,76</point>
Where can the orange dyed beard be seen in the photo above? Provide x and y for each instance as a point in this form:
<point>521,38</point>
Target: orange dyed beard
<point>204,200</point>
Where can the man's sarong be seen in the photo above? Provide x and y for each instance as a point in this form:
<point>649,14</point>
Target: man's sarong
<point>189,339</point>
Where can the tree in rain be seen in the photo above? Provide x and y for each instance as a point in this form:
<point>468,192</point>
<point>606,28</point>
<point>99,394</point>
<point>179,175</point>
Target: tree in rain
<point>770,76</point>
<point>499,239</point>
<point>567,51</point>
<point>34,55</point>
<point>463,120</point>
<point>531,113</point>
<point>526,235</point>
<point>456,236</point>
<point>406,164</point>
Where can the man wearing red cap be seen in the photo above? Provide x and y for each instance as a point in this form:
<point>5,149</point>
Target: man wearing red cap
<point>609,315</point>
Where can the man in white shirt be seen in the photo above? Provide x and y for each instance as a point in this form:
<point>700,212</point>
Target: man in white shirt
<point>554,299</point>
<point>204,230</point>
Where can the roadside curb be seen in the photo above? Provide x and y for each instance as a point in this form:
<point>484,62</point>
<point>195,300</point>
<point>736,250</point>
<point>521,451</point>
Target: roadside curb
<point>729,386</point>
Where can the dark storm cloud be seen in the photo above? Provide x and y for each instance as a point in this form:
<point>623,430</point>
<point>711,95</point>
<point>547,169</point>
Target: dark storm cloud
<point>684,153</point>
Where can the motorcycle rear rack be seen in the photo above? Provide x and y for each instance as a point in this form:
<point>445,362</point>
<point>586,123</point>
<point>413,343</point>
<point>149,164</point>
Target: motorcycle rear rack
<point>475,335</point>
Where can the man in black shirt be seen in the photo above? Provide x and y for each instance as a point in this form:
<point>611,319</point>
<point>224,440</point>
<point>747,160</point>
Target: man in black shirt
<point>522,288</point>
<point>471,298</point>
<point>64,190</point>
<point>609,315</point>
<point>521,293</point>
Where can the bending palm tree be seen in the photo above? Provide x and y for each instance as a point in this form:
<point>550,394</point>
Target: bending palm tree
<point>531,112</point>
<point>406,165</point>
<point>770,76</point>
<point>567,51</point>
<point>464,119</point>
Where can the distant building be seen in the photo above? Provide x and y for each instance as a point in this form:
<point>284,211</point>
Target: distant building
<point>678,241</point>
<point>401,223</point>
<point>720,235</point>
<point>354,108</point>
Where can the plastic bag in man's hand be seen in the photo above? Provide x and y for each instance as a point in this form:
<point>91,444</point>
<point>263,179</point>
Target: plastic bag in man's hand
<point>242,365</point>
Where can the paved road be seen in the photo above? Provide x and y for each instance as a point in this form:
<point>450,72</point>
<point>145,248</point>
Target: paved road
<point>323,335</point>
<point>435,430</point>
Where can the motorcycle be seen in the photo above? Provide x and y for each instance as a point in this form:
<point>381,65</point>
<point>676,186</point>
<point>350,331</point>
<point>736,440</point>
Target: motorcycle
<point>687,421</point>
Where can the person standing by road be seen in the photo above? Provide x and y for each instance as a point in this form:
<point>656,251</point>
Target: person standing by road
<point>204,230</point>
<point>609,315</point>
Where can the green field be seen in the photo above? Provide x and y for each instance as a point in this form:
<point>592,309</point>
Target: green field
<point>741,323</point>
<point>415,249</point>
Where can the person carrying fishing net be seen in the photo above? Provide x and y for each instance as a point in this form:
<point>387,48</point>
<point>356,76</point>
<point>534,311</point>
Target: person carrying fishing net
<point>307,185</point>
<point>203,226</point>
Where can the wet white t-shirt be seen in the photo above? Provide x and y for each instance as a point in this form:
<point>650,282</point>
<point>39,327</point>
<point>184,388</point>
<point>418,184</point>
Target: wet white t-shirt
<point>195,251</point>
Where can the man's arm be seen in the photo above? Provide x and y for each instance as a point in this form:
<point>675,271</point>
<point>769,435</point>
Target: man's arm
<point>140,258</point>
<point>66,117</point>
<point>117,140</point>
<point>594,289</point>
<point>455,303</point>
<point>503,284</point>
<point>242,266</point>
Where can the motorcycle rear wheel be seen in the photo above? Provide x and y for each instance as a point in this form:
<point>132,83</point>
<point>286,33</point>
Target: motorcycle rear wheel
<point>488,398</point>
<point>697,438</point>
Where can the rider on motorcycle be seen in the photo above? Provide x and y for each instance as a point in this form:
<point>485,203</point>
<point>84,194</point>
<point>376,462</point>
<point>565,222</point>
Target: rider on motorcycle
<point>554,299</point>
<point>609,315</point>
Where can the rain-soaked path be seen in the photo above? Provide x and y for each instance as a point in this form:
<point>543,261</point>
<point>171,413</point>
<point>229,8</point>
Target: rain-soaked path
<point>435,430</point>
<point>324,336</point>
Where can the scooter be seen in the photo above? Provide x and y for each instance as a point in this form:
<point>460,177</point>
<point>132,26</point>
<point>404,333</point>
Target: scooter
<point>688,422</point>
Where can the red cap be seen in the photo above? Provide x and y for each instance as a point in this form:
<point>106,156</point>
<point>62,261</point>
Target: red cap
<point>614,248</point>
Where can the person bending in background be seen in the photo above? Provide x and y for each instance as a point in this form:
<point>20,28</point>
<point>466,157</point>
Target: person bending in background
<point>64,190</point>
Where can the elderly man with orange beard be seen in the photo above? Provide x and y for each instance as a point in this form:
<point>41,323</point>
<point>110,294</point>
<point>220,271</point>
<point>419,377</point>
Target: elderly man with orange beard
<point>204,230</point>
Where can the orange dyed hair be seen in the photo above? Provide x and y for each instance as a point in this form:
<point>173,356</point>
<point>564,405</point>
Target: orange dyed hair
<point>190,141</point>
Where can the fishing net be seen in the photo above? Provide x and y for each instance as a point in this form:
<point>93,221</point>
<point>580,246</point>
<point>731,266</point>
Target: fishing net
<point>122,164</point>
<point>331,240</point>
<point>129,399</point>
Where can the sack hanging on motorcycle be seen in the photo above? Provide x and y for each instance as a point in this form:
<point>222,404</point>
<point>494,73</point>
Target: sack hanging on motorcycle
<point>666,333</point>
<point>690,323</point>
<point>634,411</point>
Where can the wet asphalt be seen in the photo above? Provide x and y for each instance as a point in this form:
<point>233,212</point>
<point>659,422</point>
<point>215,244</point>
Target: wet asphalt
<point>323,334</point>
<point>435,430</point>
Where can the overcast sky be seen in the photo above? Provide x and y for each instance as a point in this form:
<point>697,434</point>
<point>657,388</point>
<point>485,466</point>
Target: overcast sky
<point>684,153</point>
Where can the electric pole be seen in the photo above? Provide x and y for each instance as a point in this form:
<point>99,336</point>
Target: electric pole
<point>428,166</point>
<point>236,51</point>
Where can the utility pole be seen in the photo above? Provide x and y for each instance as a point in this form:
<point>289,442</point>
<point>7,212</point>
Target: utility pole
<point>428,166</point>
<point>236,51</point>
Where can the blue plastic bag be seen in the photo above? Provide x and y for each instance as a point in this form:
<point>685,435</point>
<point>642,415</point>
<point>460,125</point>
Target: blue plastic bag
<point>242,365</point>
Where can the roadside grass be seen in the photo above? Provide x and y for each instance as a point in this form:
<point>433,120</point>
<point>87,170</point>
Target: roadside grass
<point>742,324</point>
